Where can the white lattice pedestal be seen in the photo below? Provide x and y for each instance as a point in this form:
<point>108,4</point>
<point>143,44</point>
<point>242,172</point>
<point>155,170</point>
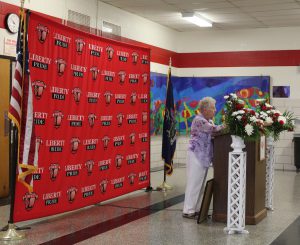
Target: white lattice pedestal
<point>269,173</point>
<point>236,187</point>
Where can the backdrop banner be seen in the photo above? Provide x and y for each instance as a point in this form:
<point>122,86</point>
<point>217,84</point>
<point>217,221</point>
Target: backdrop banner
<point>90,115</point>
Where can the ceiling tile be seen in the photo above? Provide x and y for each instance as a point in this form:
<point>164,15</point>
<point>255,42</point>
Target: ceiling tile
<point>225,14</point>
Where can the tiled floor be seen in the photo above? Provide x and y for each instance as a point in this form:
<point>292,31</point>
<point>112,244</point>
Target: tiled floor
<point>124,221</point>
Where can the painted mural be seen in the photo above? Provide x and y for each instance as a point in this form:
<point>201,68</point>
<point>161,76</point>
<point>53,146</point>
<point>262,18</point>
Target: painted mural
<point>189,90</point>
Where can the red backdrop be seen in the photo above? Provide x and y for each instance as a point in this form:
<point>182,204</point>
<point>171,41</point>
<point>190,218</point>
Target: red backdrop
<point>91,113</point>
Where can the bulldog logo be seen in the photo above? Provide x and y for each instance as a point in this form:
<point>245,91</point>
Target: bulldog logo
<point>118,161</point>
<point>58,116</point>
<point>105,141</point>
<point>89,166</point>
<point>103,185</point>
<point>145,77</point>
<point>76,93</point>
<point>54,168</point>
<point>38,88</point>
<point>71,193</point>
<point>120,117</point>
<point>144,117</point>
<point>38,143</point>
<point>132,138</point>
<point>92,117</point>
<point>74,145</point>
<point>135,57</point>
<point>42,32</point>
<point>79,45</point>
<point>29,200</point>
<point>133,98</point>
<point>143,156</point>
<point>107,96</point>
<point>95,72</point>
<point>131,178</point>
<point>122,76</point>
<point>61,66</point>
<point>109,52</point>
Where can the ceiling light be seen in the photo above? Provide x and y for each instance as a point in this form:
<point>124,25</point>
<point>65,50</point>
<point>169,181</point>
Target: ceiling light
<point>107,29</point>
<point>196,19</point>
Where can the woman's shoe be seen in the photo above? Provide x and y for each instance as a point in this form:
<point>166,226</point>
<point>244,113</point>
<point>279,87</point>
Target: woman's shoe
<point>189,216</point>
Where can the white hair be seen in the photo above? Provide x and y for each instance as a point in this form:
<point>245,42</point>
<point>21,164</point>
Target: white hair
<point>206,103</point>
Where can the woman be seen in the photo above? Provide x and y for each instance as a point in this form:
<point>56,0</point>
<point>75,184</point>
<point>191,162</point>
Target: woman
<point>200,152</point>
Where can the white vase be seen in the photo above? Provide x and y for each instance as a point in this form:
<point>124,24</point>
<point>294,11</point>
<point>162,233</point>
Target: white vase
<point>237,144</point>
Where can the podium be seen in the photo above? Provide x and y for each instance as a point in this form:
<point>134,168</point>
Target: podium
<point>255,180</point>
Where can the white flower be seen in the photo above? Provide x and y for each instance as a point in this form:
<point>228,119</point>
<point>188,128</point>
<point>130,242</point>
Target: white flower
<point>263,114</point>
<point>240,112</point>
<point>226,97</point>
<point>281,118</point>
<point>253,119</point>
<point>268,105</point>
<point>249,129</point>
<point>269,120</point>
<point>239,118</point>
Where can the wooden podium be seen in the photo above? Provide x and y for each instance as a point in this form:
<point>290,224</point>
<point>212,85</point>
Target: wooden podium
<point>255,180</point>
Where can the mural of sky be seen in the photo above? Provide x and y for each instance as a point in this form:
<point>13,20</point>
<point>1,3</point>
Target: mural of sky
<point>189,90</point>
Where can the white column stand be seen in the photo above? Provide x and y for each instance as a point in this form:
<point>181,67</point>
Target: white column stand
<point>269,173</point>
<point>236,188</point>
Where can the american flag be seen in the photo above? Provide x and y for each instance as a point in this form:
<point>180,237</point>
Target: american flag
<point>21,108</point>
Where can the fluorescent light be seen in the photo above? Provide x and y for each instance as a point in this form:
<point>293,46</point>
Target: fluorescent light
<point>196,19</point>
<point>107,29</point>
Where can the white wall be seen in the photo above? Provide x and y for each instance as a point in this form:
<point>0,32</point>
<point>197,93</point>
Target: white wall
<point>284,38</point>
<point>140,29</point>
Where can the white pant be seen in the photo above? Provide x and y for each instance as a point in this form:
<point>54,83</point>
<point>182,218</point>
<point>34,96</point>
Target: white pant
<point>195,183</point>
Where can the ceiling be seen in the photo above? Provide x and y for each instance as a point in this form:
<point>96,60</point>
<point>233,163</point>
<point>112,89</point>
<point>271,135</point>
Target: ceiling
<point>225,14</point>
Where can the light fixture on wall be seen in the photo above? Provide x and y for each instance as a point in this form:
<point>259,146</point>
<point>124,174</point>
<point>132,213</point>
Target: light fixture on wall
<point>196,19</point>
<point>107,29</point>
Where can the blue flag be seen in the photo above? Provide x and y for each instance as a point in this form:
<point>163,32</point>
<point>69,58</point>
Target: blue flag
<point>169,129</point>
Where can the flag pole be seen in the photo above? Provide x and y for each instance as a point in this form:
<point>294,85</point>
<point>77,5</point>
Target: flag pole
<point>9,233</point>
<point>164,187</point>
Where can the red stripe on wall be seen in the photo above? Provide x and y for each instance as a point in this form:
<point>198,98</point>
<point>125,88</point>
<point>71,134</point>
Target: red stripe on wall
<point>238,59</point>
<point>193,60</point>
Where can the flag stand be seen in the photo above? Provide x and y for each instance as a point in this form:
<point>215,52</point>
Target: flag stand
<point>9,232</point>
<point>164,187</point>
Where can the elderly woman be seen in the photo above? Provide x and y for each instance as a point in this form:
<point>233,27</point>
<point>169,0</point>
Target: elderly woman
<point>199,156</point>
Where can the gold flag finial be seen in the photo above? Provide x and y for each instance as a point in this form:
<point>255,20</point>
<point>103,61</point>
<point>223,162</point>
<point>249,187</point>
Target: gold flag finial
<point>22,4</point>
